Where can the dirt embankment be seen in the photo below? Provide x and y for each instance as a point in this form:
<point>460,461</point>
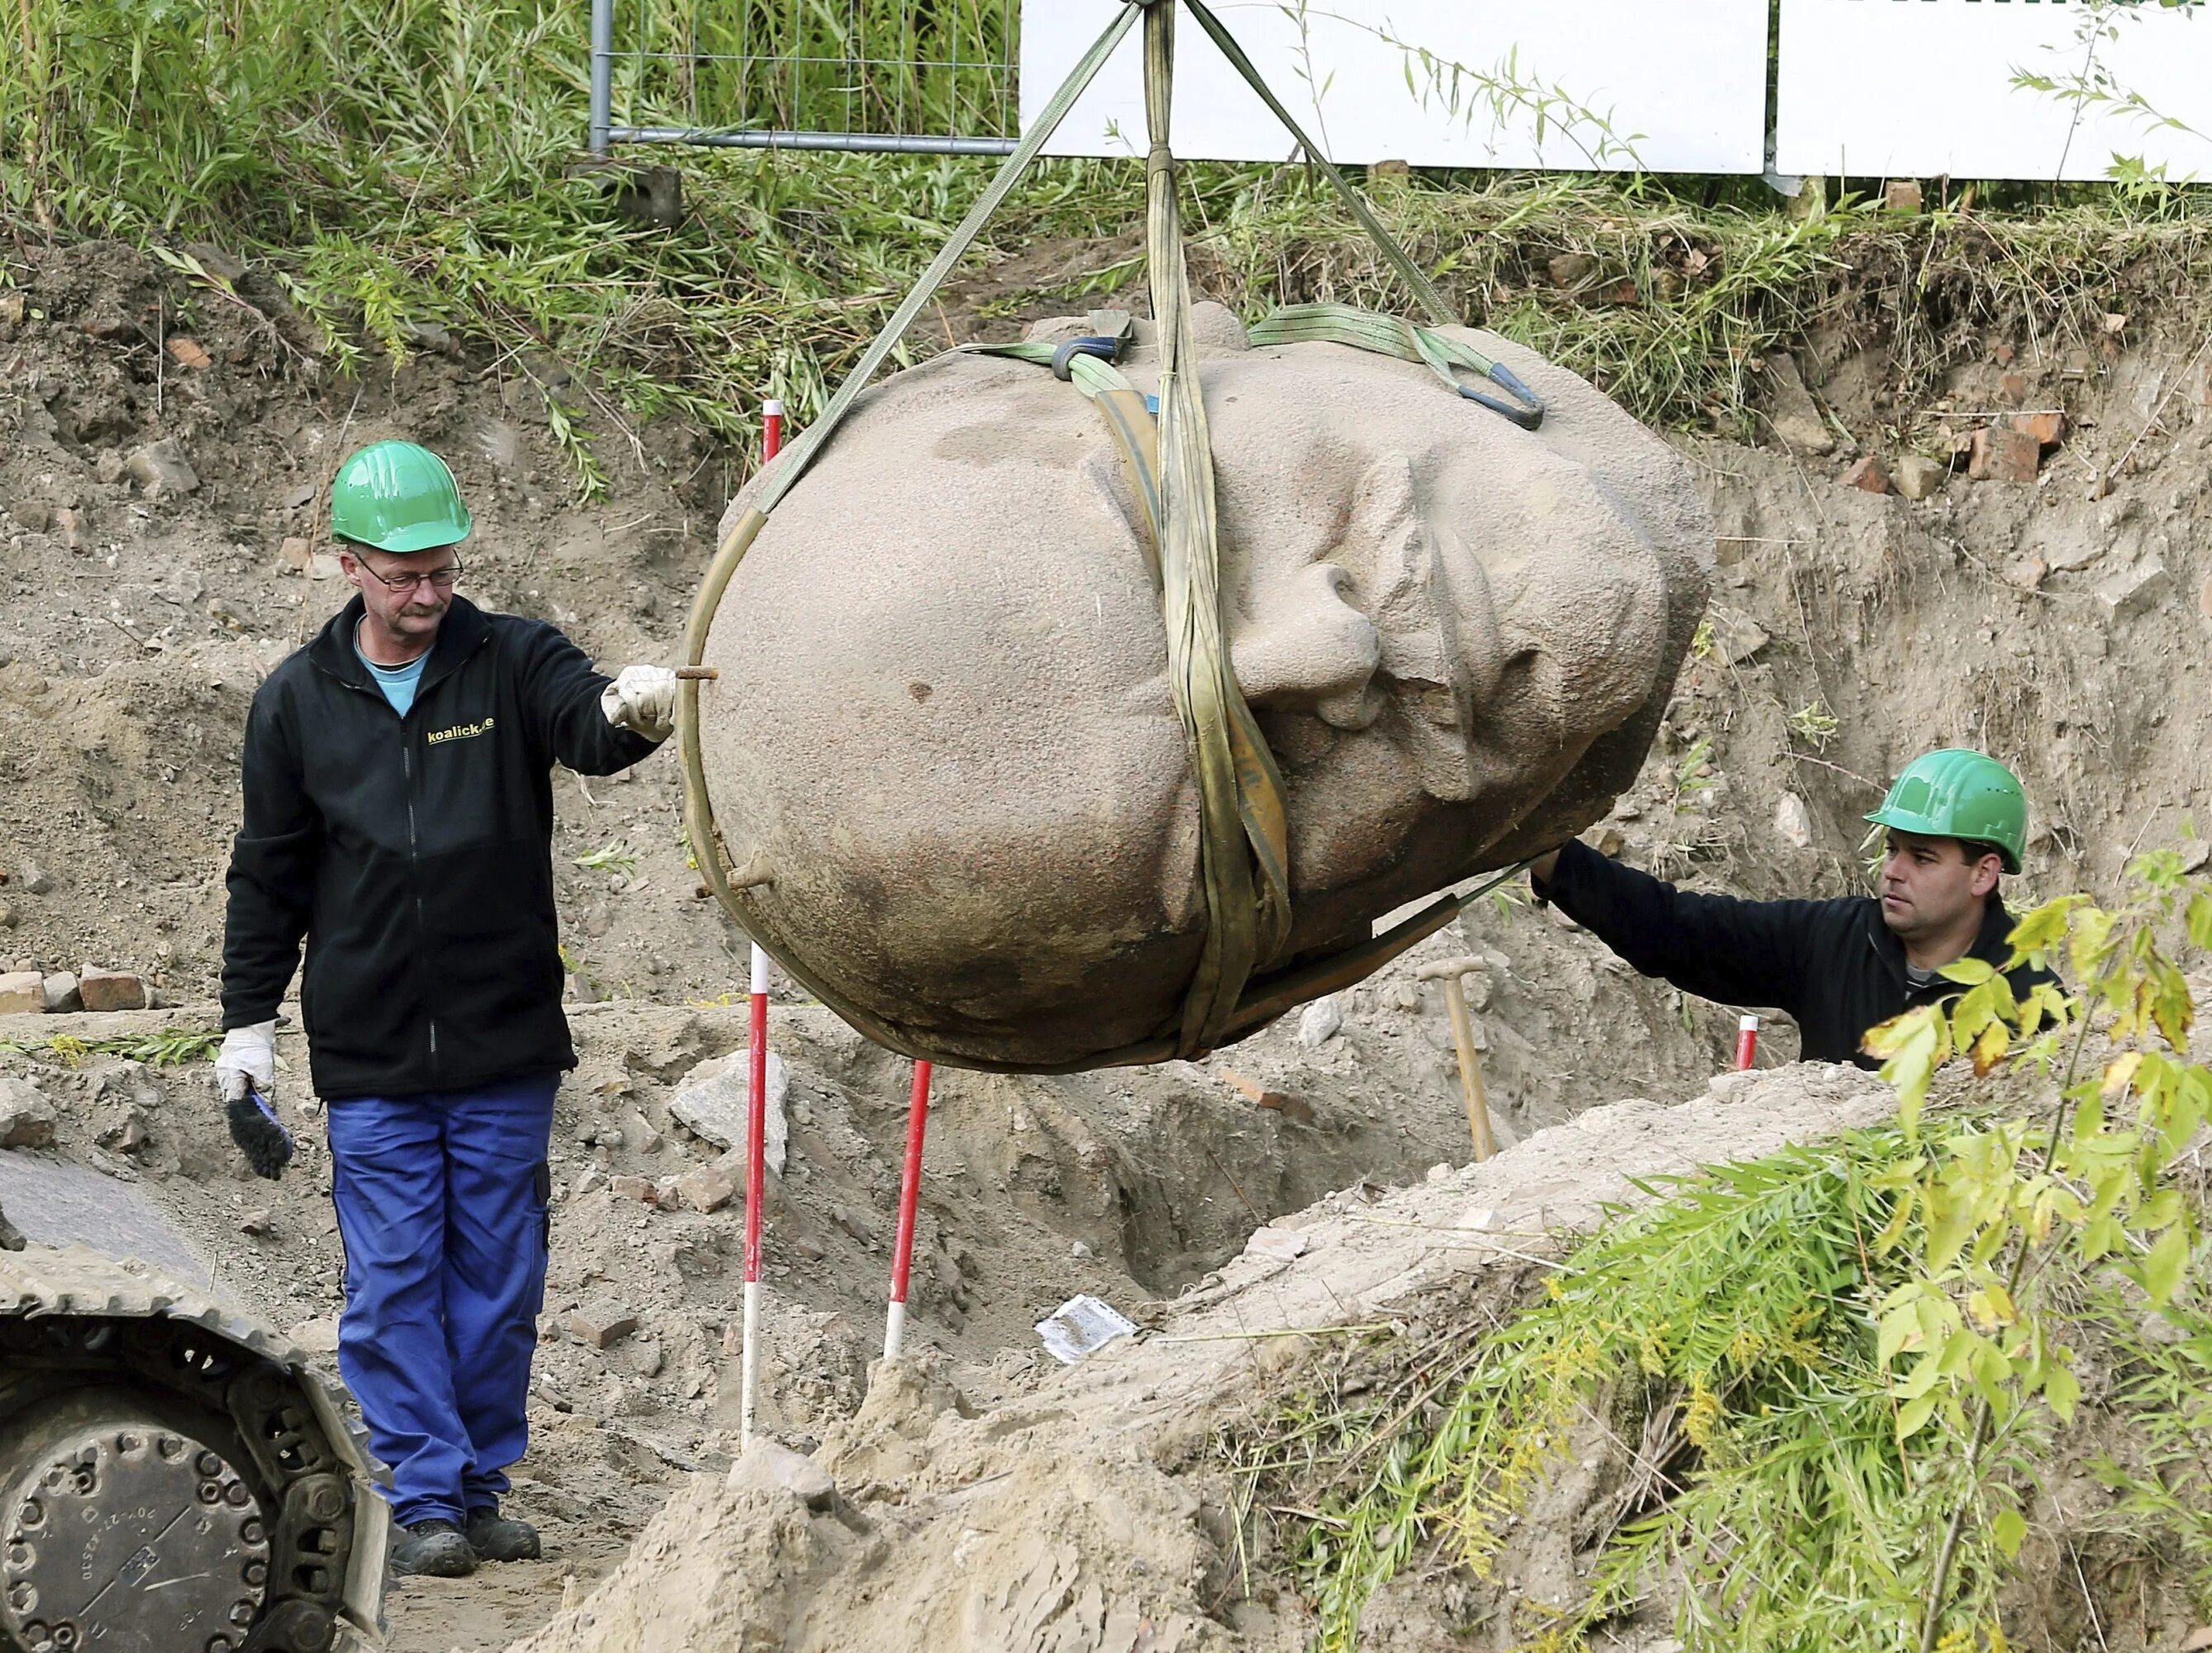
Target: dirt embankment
<point>2050,621</point>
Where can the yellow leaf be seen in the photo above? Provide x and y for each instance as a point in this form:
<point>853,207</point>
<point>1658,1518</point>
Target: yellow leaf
<point>1990,1048</point>
<point>2120,1073</point>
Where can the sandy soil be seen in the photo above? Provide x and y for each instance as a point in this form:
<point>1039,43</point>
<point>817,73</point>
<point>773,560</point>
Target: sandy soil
<point>2049,625</point>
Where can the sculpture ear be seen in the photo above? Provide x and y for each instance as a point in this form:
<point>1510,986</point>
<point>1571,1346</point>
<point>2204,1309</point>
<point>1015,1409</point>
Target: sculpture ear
<point>1306,648</point>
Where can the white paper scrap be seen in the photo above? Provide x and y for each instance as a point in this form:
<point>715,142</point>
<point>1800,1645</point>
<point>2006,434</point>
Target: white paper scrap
<point>1082,1325</point>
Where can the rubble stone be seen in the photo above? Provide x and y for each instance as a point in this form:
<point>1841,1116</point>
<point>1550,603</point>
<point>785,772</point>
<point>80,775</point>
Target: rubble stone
<point>295,553</point>
<point>32,878</point>
<point>1571,269</point>
<point>160,470</point>
<point>1791,822</point>
<point>599,1325</point>
<point>1741,637</point>
<point>317,1336</point>
<point>110,989</point>
<point>255,1221</point>
<point>713,1103</point>
<point>1795,416</point>
<point>1320,1022</point>
<point>2125,595</point>
<point>639,1189</point>
<point>61,993</point>
<point>1902,195</point>
<point>706,1190</point>
<point>1916,475</point>
<point>23,993</point>
<point>765,1466</point>
<point>26,1118</point>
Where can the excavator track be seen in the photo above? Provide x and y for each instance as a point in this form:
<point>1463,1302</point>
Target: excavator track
<point>174,1478</point>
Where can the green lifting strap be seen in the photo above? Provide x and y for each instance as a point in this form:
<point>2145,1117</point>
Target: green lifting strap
<point>1344,323</point>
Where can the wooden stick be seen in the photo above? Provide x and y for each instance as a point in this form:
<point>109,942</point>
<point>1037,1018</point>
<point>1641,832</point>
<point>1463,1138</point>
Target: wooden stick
<point>697,673</point>
<point>1470,1070</point>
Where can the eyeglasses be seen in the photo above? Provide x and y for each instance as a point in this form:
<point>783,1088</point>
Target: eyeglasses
<point>443,578</point>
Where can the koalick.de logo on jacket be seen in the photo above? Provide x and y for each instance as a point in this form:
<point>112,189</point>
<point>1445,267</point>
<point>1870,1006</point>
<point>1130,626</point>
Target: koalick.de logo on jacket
<point>462,732</point>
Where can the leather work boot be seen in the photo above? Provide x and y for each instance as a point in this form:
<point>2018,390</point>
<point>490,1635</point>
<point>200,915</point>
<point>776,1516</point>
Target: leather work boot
<point>495,1537</point>
<point>432,1549</point>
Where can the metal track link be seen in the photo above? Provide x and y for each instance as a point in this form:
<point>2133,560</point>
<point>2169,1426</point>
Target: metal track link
<point>73,1317</point>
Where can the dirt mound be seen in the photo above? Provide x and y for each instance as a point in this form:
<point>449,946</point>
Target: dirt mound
<point>1085,1512</point>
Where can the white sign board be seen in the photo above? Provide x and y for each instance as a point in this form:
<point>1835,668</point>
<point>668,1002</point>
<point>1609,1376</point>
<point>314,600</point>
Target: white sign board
<point>1570,85</point>
<point>1924,89</point>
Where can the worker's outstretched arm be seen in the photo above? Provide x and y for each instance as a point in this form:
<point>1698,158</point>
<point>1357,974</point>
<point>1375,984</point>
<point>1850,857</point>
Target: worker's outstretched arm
<point>1719,947</point>
<point>567,701</point>
<point>272,869</point>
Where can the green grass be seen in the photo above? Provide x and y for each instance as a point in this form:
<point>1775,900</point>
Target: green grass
<point>1717,1349</point>
<point>167,1047</point>
<point>396,162</point>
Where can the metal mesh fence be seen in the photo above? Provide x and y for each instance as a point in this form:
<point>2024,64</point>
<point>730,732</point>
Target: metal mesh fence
<point>929,76</point>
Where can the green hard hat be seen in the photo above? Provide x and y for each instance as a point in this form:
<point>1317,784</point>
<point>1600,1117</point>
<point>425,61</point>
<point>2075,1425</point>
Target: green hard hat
<point>399,498</point>
<point>1958,794</point>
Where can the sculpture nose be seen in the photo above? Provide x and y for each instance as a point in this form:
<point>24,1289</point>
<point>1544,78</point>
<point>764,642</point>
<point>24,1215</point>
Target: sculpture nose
<point>1307,648</point>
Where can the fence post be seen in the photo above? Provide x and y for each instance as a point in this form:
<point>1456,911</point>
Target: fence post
<point>603,69</point>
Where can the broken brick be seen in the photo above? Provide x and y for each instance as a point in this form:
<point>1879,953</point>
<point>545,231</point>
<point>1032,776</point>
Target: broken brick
<point>598,1325</point>
<point>2000,454</point>
<point>110,989</point>
<point>705,1189</point>
<point>2048,427</point>
<point>639,1189</point>
<point>1903,195</point>
<point>188,353</point>
<point>1870,474</point>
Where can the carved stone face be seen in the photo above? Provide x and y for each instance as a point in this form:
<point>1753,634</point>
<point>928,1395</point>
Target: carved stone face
<point>943,722</point>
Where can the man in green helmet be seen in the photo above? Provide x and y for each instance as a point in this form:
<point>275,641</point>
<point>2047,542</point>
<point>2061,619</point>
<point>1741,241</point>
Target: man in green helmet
<point>398,818</point>
<point>1955,823</point>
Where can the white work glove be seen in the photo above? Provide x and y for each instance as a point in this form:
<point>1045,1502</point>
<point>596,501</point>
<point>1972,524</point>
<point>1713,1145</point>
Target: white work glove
<point>642,698</point>
<point>245,1073</point>
<point>248,1060</point>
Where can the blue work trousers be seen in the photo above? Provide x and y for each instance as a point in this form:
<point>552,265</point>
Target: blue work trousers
<point>442,1202</point>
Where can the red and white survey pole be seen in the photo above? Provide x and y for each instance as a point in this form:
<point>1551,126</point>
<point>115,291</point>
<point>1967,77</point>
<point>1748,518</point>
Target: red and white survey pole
<point>757,1098</point>
<point>1747,1042</point>
<point>917,1122</point>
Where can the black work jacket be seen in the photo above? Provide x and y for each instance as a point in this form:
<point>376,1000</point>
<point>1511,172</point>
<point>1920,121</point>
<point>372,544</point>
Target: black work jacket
<point>414,854</point>
<point>1833,965</point>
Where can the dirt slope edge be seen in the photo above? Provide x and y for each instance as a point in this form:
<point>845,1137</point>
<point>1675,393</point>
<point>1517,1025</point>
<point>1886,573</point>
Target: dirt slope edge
<point>1084,1515</point>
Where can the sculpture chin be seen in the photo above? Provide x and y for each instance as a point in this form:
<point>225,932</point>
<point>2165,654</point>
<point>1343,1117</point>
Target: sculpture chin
<point>943,716</point>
